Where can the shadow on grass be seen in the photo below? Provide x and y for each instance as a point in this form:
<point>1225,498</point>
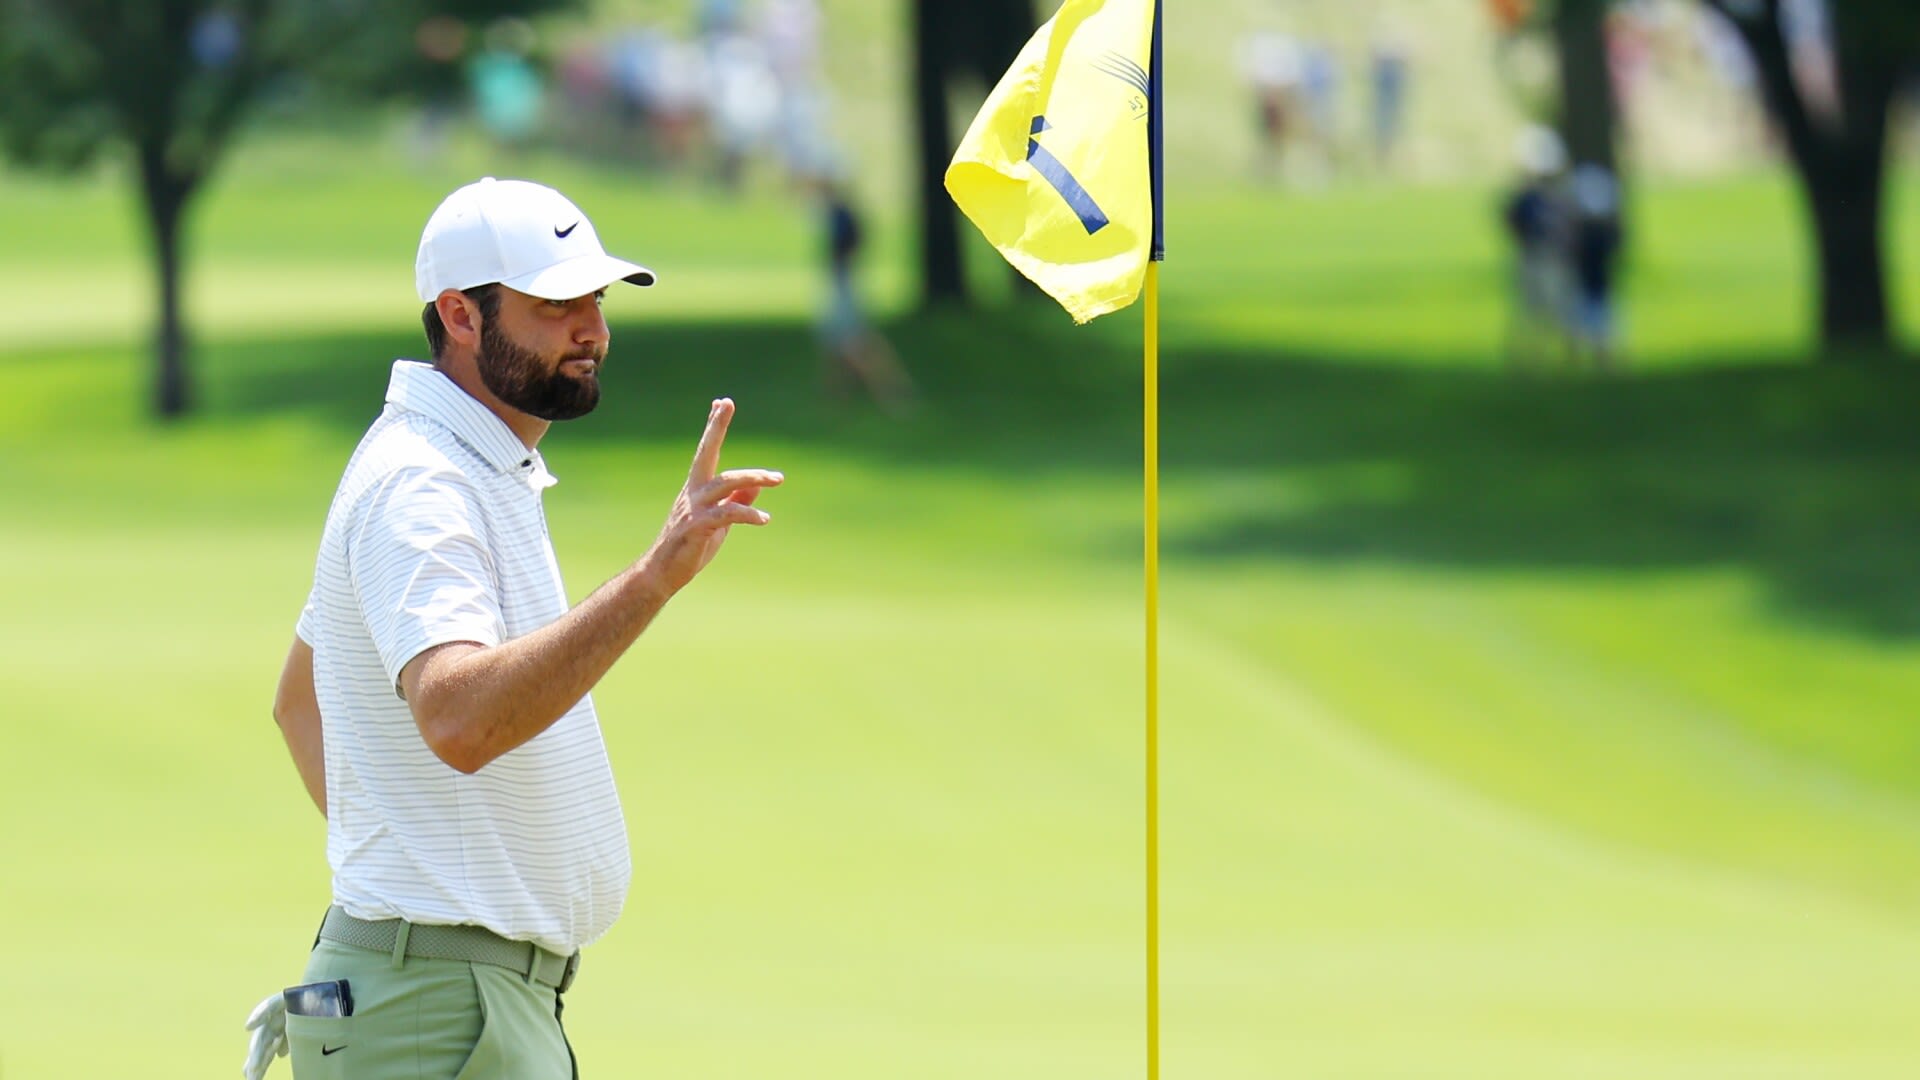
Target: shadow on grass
<point>1801,473</point>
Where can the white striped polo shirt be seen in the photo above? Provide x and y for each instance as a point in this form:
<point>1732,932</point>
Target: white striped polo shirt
<point>436,534</point>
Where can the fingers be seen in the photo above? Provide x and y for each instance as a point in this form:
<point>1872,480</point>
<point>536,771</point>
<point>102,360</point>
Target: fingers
<point>736,513</point>
<point>722,515</point>
<point>707,457</point>
<point>728,485</point>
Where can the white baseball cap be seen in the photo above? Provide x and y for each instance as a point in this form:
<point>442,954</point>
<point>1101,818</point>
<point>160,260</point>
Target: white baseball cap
<point>523,235</point>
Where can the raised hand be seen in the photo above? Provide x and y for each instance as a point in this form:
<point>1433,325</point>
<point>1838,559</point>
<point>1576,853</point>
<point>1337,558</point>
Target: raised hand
<point>709,504</point>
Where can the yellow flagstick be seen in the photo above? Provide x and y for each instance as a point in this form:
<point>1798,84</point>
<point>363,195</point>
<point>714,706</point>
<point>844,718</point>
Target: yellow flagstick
<point>1153,666</point>
<point>1156,82</point>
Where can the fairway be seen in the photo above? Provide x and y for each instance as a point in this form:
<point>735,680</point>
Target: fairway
<point>1531,730</point>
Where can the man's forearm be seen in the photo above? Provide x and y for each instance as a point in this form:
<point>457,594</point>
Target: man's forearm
<point>474,704</point>
<point>296,709</point>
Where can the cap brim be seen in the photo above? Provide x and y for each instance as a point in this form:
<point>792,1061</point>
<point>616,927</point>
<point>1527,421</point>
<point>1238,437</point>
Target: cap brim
<point>578,277</point>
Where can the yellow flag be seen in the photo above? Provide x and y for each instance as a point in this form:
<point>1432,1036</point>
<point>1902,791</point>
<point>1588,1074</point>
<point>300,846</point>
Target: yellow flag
<point>1055,169</point>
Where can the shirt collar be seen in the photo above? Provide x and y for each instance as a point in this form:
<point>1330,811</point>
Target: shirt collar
<point>424,389</point>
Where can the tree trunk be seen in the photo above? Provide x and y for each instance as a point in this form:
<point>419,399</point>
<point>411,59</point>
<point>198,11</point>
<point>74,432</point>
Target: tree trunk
<point>1588,113</point>
<point>1845,198</point>
<point>1846,185</point>
<point>940,268</point>
<point>1841,167</point>
<point>165,195</point>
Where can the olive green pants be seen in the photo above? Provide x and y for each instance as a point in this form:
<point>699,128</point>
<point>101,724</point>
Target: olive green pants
<point>426,1019</point>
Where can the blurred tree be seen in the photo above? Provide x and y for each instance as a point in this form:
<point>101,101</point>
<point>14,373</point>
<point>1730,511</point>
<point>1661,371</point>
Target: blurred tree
<point>169,82</point>
<point>1588,114</point>
<point>972,39</point>
<point>1838,145</point>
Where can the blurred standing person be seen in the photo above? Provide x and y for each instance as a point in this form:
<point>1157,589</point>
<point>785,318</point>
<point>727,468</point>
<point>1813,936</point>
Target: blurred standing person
<point>743,105</point>
<point>1390,66</point>
<point>507,90</point>
<point>1596,242</point>
<point>1536,224</point>
<point>717,19</point>
<point>1270,60</point>
<point>1631,54</point>
<point>591,103</point>
<point>855,353</point>
<point>440,41</point>
<point>1808,27</point>
<point>1320,84</point>
<point>633,58</point>
<point>789,30</point>
<point>678,97</point>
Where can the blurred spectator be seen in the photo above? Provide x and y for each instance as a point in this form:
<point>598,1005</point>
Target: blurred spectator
<point>790,32</point>
<point>855,354</point>
<point>1390,64</point>
<point>1727,57</point>
<point>718,18</point>
<point>1725,51</point>
<point>1807,26</point>
<point>1320,84</point>
<point>1596,243</point>
<point>1271,63</point>
<point>440,41</point>
<point>507,91</point>
<point>585,80</point>
<point>1630,53</point>
<point>743,106</point>
<point>1536,221</point>
<point>679,97</point>
<point>633,60</point>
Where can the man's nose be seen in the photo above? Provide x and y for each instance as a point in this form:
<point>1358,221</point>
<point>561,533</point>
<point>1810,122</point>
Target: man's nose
<point>592,329</point>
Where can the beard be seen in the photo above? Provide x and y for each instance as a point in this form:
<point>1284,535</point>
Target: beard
<point>519,377</point>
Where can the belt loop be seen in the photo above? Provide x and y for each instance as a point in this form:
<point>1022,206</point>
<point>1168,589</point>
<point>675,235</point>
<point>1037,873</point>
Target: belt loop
<point>400,936</point>
<point>534,956</point>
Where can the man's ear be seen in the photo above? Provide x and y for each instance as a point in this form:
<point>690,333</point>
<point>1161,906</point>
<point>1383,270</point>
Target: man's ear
<point>461,316</point>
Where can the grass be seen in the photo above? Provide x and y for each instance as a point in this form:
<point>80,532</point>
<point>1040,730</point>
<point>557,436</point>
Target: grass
<point>1537,729</point>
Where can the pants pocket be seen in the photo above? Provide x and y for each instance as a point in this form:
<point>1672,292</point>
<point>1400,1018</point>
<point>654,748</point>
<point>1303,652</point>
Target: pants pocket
<point>521,1037</point>
<point>321,1048</point>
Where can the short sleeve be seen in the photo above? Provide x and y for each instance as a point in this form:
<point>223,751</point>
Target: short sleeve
<point>420,566</point>
<point>308,625</point>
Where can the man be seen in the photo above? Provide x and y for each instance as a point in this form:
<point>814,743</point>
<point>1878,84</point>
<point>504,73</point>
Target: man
<point>435,699</point>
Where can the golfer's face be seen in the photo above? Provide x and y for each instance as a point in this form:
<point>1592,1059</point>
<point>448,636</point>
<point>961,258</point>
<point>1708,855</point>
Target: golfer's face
<point>569,336</point>
<point>543,357</point>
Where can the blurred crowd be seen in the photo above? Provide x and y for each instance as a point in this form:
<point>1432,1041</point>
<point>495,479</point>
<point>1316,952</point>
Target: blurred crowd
<point>1333,98</point>
<point>741,86</point>
<point>1298,86</point>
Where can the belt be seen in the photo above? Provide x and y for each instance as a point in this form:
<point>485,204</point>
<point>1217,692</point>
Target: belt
<point>473,944</point>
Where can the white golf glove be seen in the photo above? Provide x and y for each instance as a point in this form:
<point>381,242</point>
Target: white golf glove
<point>268,1023</point>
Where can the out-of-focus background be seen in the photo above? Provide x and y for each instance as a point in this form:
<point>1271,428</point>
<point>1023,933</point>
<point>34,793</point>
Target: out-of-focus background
<point>1541,614</point>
